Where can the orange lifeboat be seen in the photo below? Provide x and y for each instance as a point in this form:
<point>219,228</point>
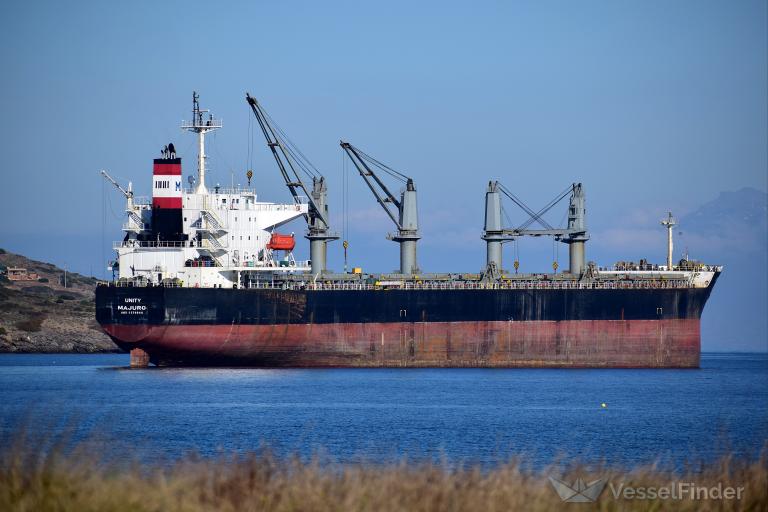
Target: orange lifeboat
<point>280,242</point>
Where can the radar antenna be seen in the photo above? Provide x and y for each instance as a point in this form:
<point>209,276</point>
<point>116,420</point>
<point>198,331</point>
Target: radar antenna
<point>200,124</point>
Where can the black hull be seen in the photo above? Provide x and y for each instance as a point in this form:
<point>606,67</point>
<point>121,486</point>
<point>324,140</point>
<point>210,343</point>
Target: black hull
<point>204,306</point>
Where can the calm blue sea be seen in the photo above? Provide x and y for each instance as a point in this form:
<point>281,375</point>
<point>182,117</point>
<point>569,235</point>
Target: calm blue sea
<point>473,415</point>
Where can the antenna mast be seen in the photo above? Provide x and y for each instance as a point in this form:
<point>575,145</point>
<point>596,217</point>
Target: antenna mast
<point>201,126</point>
<point>669,223</point>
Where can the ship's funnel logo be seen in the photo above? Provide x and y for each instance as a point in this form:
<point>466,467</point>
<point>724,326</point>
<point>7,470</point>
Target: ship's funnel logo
<point>579,492</point>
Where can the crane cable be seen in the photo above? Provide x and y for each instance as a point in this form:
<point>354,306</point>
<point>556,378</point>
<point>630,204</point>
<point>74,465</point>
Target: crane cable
<point>535,216</point>
<point>103,223</point>
<point>346,193</point>
<point>344,197</point>
<point>344,207</point>
<point>383,167</point>
<point>519,202</point>
<point>555,254</point>
<point>287,144</point>
<point>249,160</point>
<point>506,215</point>
<point>546,209</point>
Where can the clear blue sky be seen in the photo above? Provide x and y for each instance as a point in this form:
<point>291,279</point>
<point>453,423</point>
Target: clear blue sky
<point>653,105</point>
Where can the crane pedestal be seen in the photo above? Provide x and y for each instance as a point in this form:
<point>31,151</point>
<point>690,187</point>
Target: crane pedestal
<point>576,257</point>
<point>318,250</point>
<point>408,264</point>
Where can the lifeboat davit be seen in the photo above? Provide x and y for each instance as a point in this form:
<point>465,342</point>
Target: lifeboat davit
<point>280,242</point>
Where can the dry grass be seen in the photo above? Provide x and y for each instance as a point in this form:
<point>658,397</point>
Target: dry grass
<point>46,479</point>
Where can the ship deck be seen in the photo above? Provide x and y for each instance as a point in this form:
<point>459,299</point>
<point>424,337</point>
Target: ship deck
<point>602,279</point>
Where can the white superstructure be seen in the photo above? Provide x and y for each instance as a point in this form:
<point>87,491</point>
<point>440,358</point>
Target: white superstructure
<point>201,236</point>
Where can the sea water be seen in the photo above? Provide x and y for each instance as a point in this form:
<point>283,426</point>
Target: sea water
<point>486,416</point>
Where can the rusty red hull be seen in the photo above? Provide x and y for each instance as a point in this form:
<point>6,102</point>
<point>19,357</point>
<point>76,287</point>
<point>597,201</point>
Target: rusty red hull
<point>669,343</point>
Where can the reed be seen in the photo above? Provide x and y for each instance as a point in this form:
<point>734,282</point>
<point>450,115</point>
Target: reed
<point>55,476</point>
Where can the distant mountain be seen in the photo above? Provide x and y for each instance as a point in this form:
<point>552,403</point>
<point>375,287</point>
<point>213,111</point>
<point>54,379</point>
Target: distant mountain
<point>744,208</point>
<point>732,230</point>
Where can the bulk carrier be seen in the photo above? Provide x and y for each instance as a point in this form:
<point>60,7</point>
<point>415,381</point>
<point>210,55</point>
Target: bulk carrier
<point>202,277</point>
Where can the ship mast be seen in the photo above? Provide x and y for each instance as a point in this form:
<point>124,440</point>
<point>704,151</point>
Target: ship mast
<point>669,223</point>
<point>200,126</point>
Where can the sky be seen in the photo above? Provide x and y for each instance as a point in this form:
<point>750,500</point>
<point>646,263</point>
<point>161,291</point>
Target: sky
<point>654,106</point>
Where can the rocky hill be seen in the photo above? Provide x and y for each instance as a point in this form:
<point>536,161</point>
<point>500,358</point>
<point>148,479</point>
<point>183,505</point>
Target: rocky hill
<point>42,315</point>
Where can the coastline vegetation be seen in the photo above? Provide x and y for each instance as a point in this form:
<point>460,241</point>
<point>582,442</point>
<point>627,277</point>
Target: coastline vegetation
<point>38,478</point>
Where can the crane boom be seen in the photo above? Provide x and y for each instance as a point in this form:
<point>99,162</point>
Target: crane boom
<point>402,211</point>
<point>285,162</point>
<point>289,161</point>
<point>127,193</point>
<point>372,179</point>
<point>129,207</point>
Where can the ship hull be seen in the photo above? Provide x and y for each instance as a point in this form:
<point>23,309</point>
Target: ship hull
<point>655,328</point>
<point>581,343</point>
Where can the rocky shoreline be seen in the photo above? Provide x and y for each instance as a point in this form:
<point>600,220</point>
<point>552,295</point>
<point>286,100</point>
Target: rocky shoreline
<point>44,313</point>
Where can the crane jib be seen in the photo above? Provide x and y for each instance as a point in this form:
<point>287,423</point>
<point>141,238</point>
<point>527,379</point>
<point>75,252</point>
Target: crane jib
<point>287,160</point>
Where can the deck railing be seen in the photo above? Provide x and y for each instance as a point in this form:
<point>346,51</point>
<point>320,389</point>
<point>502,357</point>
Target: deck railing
<point>527,285</point>
<point>628,267</point>
<point>523,285</point>
<point>150,243</point>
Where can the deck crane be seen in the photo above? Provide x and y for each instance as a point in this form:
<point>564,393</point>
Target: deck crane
<point>402,211</point>
<point>130,209</point>
<point>290,160</point>
<point>575,234</point>
<point>127,193</point>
